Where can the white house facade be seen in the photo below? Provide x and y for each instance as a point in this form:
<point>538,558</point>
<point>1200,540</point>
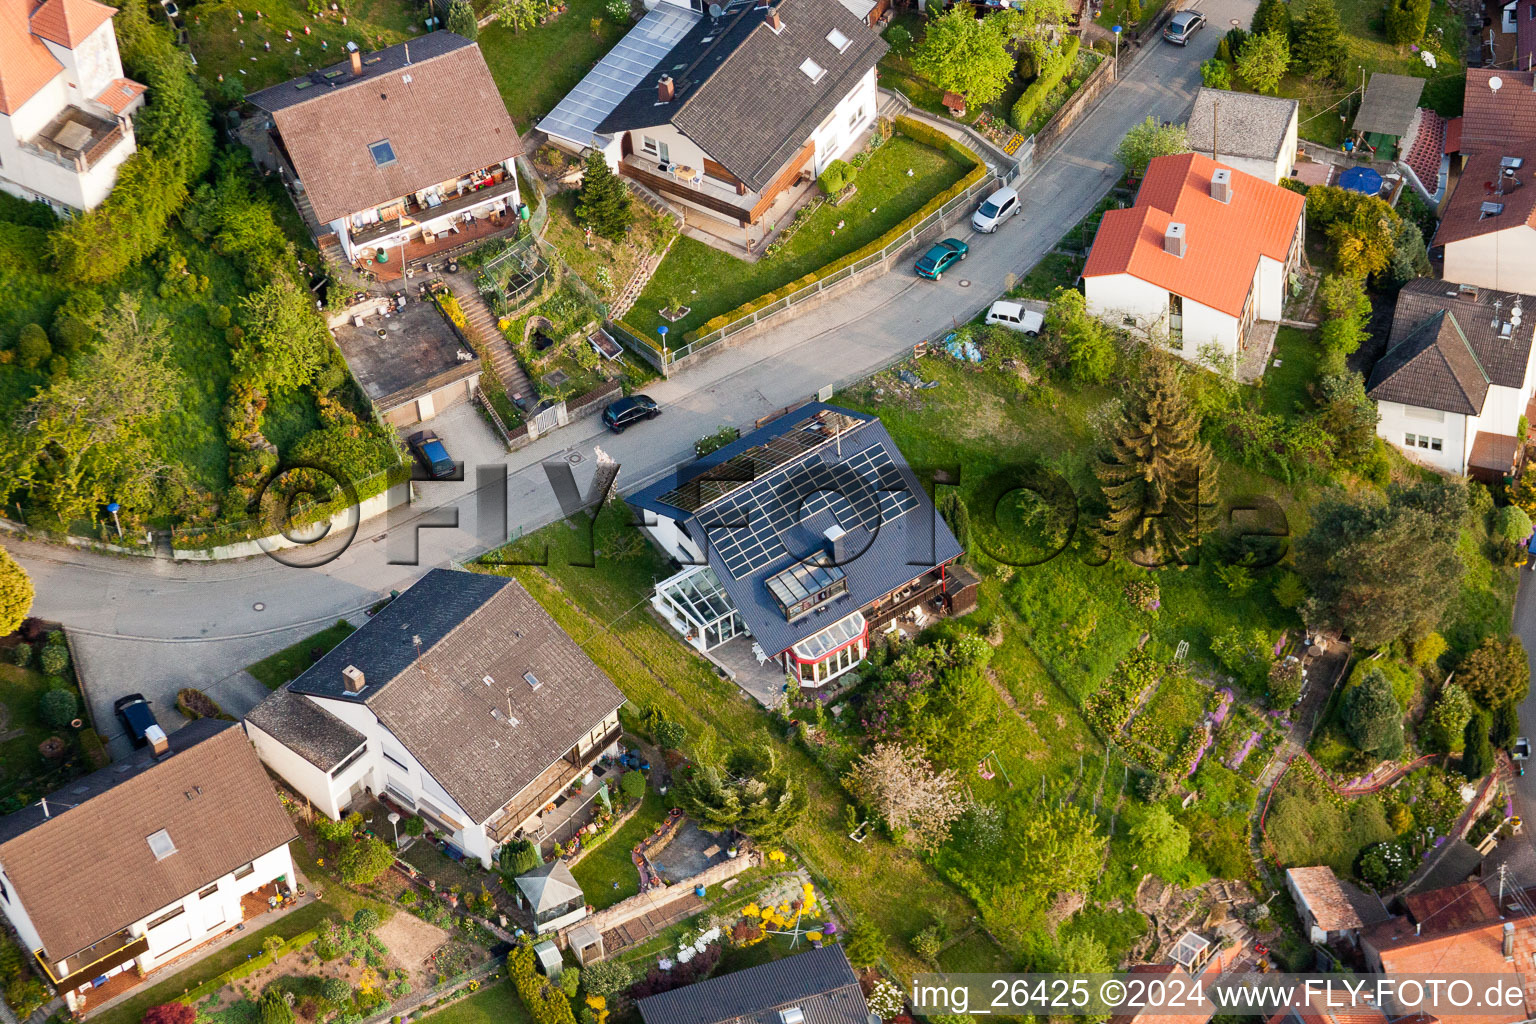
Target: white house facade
<point>187,841</point>
<point>65,108</point>
<point>477,734</point>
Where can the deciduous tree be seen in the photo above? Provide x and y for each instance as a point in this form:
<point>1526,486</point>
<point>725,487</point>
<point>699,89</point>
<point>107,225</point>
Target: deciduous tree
<point>170,1013</point>
<point>1496,673</point>
<point>285,341</point>
<point>1379,568</point>
<point>1406,21</point>
<point>1263,61</point>
<point>903,790</point>
<point>364,860</point>
<point>1442,725</point>
<point>1157,467</point>
<point>1148,141</point>
<point>963,54</point>
<point>16,593</point>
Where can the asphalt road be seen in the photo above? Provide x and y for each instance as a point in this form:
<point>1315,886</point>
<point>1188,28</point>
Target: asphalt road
<point>155,626</point>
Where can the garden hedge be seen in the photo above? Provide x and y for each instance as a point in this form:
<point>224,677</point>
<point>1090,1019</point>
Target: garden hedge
<point>546,1003</point>
<point>195,704</point>
<point>250,966</point>
<point>912,129</point>
<point>1025,106</point>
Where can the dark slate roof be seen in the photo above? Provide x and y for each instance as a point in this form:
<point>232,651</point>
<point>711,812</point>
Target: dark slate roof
<point>819,982</point>
<point>463,707</point>
<point>897,551</point>
<point>1433,368</point>
<point>85,869</point>
<point>1448,376</point>
<point>326,81</point>
<point>1389,103</point>
<point>305,728</point>
<point>739,90</point>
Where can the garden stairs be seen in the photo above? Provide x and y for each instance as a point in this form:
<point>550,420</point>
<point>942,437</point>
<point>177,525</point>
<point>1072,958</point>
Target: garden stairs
<point>481,324</point>
<point>626,299</point>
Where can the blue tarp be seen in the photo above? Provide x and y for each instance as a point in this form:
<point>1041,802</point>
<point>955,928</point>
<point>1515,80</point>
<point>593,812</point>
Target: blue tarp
<point>1361,179</point>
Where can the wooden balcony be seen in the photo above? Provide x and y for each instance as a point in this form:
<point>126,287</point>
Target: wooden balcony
<point>419,214</point>
<point>555,780</point>
<point>710,194</point>
<point>96,960</point>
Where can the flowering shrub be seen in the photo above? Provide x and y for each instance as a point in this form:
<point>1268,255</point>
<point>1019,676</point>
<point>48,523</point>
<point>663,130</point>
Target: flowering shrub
<point>1144,595</point>
<point>886,1001</point>
<point>1111,706</point>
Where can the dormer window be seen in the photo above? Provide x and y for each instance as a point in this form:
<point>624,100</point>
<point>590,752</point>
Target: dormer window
<point>812,70</point>
<point>838,40</point>
<point>383,153</point>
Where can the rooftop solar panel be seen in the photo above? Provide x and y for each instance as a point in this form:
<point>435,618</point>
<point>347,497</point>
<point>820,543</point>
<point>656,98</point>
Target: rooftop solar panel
<point>576,117</point>
<point>758,461</point>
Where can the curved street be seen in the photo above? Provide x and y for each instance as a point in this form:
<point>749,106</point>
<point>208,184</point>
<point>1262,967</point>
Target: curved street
<point>154,626</point>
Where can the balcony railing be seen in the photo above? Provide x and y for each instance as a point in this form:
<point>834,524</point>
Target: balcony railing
<point>704,195</point>
<point>449,207</point>
<point>94,961</point>
<point>556,780</point>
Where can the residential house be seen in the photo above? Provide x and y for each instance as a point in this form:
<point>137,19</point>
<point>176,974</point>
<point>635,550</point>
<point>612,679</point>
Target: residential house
<point>805,535</point>
<point>1488,227</point>
<point>1246,132</point>
<point>1204,252</point>
<point>401,153</point>
<point>123,871</point>
<point>1331,909</point>
<point>66,111</point>
<point>724,113</point>
<point>816,987</point>
<point>1518,20</point>
<point>1456,377</point>
<point>1498,108</point>
<point>461,701</point>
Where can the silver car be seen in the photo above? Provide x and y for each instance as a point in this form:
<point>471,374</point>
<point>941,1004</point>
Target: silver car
<point>1182,27</point>
<point>998,207</point>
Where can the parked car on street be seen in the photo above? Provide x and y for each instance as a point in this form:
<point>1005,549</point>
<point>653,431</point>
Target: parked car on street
<point>1522,749</point>
<point>624,412</point>
<point>937,259</point>
<point>134,713</point>
<point>1181,28</point>
<point>431,454</point>
<point>995,209</point>
<point>1015,317</point>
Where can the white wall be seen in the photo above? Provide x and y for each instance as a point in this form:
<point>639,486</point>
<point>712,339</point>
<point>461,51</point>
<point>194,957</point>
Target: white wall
<point>1136,305</point>
<point>849,118</point>
<point>1272,171</point>
<point>311,783</point>
<point>16,913</point>
<point>674,540</point>
<point>1398,420</point>
<point>1269,279</point>
<point>1503,260</point>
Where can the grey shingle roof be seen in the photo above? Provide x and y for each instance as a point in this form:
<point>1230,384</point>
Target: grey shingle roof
<point>549,885</point>
<point>896,552</point>
<point>85,870</point>
<point>819,982</point>
<point>1447,378</point>
<point>473,627</point>
<point>305,728</point>
<point>1433,368</point>
<point>742,96</point>
<point>1250,125</point>
<point>1389,103</point>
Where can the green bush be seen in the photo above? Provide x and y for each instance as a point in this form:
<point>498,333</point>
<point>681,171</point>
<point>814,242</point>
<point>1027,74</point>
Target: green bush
<point>632,784</point>
<point>32,347</point>
<point>57,708</point>
<point>1044,84</point>
<point>836,177</point>
<point>95,750</point>
<point>54,659</point>
<point>21,654</point>
<point>546,1004</point>
<point>414,825</point>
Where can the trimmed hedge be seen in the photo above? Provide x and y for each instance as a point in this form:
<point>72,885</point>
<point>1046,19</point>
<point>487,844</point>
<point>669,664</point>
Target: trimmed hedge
<point>912,129</point>
<point>546,1003</point>
<point>250,966</point>
<point>95,750</point>
<point>1025,106</point>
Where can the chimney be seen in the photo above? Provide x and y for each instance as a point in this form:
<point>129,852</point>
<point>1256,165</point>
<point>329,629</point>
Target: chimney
<point>352,678</point>
<point>1173,240</point>
<point>160,746</point>
<point>837,544</point>
<point>1221,185</point>
<point>357,63</point>
<point>664,91</point>
<point>773,20</point>
<point>1509,940</point>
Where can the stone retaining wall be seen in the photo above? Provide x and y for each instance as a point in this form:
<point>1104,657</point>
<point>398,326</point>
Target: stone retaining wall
<point>638,906</point>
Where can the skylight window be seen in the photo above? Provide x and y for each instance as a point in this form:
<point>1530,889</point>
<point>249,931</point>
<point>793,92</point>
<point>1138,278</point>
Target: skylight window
<point>812,70</point>
<point>838,40</point>
<point>160,845</point>
<point>383,153</point>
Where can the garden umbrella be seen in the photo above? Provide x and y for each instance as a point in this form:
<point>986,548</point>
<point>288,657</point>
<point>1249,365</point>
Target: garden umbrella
<point>1361,179</point>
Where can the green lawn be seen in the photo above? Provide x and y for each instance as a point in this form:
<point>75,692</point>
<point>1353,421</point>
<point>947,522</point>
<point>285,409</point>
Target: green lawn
<point>712,282</point>
<point>216,33</point>
<point>1056,270</point>
<point>24,773</point>
<point>535,68</point>
<point>609,863</point>
<point>289,663</point>
<point>496,1003</point>
<point>1285,386</point>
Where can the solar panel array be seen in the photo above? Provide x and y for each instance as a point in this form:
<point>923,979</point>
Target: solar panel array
<point>864,491</point>
<point>577,116</point>
<point>758,461</point>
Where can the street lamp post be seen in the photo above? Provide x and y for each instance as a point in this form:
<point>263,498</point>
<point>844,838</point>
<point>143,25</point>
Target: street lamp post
<point>1117,49</point>
<point>662,330</point>
<point>394,823</point>
<point>114,507</point>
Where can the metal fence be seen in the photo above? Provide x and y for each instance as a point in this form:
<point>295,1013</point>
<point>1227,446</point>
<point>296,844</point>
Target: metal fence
<point>665,360</point>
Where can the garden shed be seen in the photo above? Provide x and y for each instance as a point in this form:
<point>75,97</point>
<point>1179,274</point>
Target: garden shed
<point>552,893</point>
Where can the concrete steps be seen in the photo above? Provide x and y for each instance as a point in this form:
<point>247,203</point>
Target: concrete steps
<point>482,327</point>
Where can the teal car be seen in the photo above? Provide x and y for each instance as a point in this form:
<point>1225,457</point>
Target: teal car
<point>937,259</point>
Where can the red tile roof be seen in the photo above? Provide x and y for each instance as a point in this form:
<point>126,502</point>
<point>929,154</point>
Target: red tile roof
<point>1475,950</point>
<point>25,63</point>
<point>117,96</point>
<point>1224,240</point>
<point>1453,135</point>
<point>1463,216</point>
<point>68,22</point>
<point>1493,118</point>
<point>1428,147</point>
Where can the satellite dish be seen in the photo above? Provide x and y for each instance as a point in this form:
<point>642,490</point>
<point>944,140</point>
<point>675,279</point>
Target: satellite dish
<point>1495,83</point>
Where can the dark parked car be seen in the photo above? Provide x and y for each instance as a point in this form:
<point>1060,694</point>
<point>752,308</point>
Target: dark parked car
<point>627,411</point>
<point>433,456</point>
<point>1181,28</point>
<point>936,260</point>
<point>133,711</point>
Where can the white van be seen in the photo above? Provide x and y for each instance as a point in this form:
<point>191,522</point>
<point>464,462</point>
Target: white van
<point>1015,317</point>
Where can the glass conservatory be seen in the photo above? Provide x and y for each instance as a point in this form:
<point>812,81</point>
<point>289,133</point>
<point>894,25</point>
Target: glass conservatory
<point>698,607</point>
